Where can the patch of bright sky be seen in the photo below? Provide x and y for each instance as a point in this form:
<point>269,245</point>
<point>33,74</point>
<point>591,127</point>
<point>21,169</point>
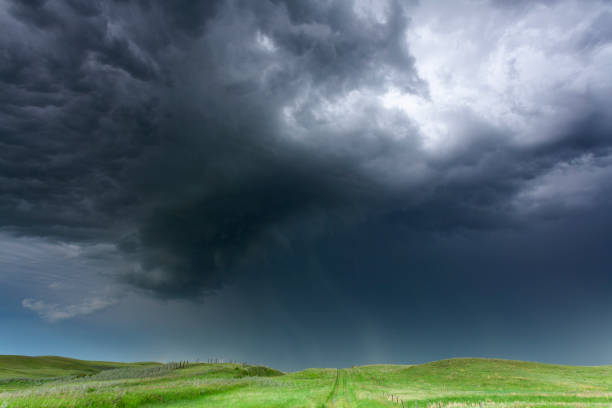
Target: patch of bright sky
<point>265,42</point>
<point>58,280</point>
<point>513,76</point>
<point>375,11</point>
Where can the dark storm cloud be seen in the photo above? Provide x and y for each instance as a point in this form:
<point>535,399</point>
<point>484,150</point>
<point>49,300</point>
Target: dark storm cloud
<point>206,138</point>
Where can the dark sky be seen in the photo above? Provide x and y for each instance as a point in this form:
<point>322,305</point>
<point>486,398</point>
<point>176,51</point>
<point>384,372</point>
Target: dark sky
<point>306,183</point>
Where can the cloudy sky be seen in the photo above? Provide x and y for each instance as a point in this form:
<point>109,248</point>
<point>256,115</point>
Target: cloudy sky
<point>306,183</point>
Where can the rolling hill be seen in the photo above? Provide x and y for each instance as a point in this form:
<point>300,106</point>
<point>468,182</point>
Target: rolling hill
<point>453,383</point>
<point>53,366</point>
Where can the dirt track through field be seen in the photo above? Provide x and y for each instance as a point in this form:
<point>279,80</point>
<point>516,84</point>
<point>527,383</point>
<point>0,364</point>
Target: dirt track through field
<point>342,395</point>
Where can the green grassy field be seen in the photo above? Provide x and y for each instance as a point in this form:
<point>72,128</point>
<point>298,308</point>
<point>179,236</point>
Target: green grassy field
<point>51,366</point>
<point>59,382</point>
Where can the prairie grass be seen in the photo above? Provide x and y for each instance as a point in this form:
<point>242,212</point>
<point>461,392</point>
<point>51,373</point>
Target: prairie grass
<point>14,367</point>
<point>456,383</point>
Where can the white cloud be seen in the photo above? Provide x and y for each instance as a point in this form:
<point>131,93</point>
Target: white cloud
<point>518,72</point>
<point>53,312</point>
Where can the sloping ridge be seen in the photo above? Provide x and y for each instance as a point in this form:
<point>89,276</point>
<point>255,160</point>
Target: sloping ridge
<point>482,373</point>
<point>54,366</point>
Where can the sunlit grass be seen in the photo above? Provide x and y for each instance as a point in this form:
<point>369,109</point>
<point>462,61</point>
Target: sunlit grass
<point>457,383</point>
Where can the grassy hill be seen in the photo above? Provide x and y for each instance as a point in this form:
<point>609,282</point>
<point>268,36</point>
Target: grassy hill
<point>489,381</point>
<point>495,374</point>
<point>52,366</point>
<point>453,383</point>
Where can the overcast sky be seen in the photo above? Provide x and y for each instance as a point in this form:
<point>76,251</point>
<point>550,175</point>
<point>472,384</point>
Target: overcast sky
<point>306,183</point>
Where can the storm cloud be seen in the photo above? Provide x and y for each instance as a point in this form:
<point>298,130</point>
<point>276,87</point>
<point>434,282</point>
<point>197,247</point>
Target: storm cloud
<point>209,142</point>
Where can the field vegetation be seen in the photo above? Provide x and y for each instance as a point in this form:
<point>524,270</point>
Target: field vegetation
<point>55,382</point>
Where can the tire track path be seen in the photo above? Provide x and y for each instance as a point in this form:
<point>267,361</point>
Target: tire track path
<point>341,395</point>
